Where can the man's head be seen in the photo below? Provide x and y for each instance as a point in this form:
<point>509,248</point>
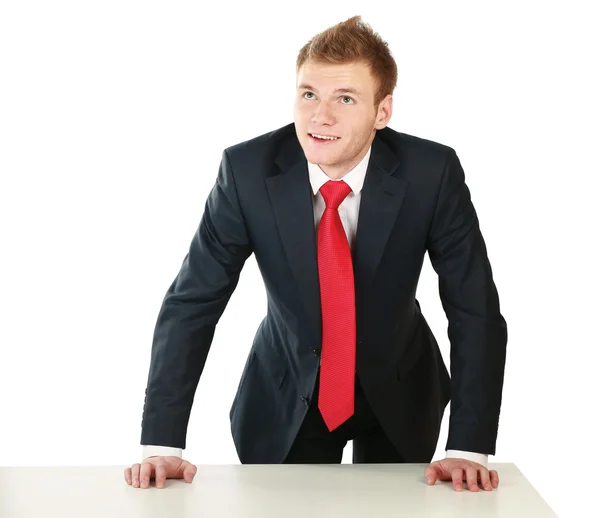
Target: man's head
<point>345,77</point>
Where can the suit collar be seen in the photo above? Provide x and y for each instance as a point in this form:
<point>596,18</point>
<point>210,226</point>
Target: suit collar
<point>291,155</point>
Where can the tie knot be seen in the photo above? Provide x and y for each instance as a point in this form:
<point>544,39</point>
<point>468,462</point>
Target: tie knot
<point>334,193</point>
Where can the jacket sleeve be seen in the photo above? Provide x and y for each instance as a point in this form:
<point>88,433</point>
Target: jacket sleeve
<point>190,311</point>
<point>476,329</point>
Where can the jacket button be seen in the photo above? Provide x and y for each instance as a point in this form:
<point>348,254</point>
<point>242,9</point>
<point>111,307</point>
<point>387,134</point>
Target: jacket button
<point>317,351</point>
<point>304,400</point>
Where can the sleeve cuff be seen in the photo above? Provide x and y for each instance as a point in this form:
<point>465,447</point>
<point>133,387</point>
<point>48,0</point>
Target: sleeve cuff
<point>481,458</point>
<point>160,451</point>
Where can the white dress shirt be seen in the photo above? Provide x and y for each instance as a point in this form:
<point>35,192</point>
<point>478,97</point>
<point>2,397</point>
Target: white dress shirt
<point>348,211</point>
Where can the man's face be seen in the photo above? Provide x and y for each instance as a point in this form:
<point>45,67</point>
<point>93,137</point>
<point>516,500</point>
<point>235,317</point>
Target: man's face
<point>337,101</point>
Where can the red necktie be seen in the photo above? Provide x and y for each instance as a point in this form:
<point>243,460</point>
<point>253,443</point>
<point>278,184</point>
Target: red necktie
<point>336,279</point>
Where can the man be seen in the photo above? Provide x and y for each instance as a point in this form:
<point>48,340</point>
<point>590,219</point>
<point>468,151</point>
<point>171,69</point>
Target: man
<point>339,211</point>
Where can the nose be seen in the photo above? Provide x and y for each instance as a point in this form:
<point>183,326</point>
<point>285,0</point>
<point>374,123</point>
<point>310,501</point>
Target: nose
<point>323,115</point>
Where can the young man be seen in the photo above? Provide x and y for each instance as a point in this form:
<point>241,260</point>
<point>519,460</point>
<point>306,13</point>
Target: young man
<point>339,211</point>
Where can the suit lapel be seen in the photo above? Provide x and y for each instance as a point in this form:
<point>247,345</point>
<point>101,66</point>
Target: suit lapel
<point>381,198</point>
<point>292,201</point>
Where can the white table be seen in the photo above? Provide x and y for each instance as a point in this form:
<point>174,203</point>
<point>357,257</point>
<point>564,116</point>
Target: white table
<point>263,491</point>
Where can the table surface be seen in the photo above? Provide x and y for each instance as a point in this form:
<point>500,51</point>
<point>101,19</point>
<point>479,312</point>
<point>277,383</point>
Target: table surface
<point>262,491</point>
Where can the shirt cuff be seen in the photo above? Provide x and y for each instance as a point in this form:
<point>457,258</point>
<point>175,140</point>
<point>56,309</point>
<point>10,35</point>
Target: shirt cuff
<point>481,458</point>
<point>160,451</point>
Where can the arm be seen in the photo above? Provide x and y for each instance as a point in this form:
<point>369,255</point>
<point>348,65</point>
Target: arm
<point>476,329</point>
<point>190,311</point>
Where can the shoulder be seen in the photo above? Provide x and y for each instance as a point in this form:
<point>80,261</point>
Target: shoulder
<point>262,147</point>
<point>411,148</point>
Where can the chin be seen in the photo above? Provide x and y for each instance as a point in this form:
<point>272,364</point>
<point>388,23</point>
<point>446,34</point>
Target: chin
<point>321,158</point>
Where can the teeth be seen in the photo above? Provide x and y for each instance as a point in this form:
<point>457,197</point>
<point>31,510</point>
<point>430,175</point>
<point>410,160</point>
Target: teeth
<point>323,137</point>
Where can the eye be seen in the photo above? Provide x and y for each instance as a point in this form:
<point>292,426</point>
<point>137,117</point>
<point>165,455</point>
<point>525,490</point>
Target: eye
<point>350,98</point>
<point>307,93</point>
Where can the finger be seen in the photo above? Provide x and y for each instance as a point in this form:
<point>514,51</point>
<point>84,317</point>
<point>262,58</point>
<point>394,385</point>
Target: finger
<point>494,478</point>
<point>128,476</point>
<point>457,479</point>
<point>431,473</point>
<point>161,475</point>
<point>472,479</point>
<point>485,479</point>
<point>146,473</point>
<point>135,475</point>
<point>189,472</point>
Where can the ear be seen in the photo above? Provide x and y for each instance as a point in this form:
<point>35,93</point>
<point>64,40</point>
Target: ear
<point>384,112</point>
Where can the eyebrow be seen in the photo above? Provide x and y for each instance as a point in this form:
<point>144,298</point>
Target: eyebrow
<point>354,91</point>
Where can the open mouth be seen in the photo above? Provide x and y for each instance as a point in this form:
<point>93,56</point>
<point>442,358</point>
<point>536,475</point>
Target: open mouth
<point>322,139</point>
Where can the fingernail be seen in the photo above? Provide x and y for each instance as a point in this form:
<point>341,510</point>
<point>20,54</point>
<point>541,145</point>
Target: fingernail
<point>430,480</point>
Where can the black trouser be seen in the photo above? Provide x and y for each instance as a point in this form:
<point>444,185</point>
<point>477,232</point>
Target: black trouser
<point>315,444</point>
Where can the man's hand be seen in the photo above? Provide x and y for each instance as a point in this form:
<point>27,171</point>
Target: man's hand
<point>159,468</point>
<point>459,470</point>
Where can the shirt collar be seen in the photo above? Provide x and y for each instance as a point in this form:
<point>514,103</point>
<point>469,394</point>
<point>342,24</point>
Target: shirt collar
<point>354,178</point>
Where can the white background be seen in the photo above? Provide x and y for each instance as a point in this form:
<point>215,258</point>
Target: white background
<point>113,118</point>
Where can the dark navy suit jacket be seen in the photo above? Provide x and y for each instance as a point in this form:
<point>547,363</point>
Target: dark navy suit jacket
<point>414,201</point>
